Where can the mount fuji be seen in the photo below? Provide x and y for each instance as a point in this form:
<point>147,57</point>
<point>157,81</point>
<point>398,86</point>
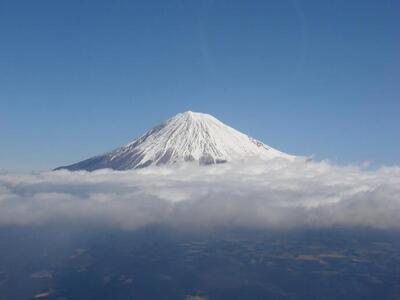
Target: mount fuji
<point>187,137</point>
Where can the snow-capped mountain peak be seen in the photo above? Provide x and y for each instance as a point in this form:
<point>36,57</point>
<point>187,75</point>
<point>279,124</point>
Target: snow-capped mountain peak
<point>188,136</point>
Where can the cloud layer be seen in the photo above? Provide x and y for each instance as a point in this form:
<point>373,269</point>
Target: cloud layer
<point>276,194</point>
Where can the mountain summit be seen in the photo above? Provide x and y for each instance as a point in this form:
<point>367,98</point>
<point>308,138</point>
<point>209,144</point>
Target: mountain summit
<point>188,136</point>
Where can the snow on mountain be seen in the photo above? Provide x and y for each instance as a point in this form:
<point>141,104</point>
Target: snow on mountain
<point>188,136</point>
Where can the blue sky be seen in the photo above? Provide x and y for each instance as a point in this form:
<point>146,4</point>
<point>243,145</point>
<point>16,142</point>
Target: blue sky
<point>78,78</point>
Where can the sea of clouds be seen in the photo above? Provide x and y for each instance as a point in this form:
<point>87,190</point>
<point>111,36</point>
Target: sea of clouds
<point>273,194</point>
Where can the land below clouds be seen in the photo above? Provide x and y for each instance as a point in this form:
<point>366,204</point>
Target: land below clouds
<point>72,261</point>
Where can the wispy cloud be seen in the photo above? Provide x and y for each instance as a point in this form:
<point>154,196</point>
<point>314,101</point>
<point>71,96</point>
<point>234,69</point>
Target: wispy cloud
<point>271,194</point>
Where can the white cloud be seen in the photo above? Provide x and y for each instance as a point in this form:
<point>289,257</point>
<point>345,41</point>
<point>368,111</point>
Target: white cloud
<point>268,194</point>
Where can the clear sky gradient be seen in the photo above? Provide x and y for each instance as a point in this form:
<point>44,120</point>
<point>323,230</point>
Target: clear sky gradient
<point>78,78</point>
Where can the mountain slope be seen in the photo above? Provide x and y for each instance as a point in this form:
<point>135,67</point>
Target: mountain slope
<point>186,137</point>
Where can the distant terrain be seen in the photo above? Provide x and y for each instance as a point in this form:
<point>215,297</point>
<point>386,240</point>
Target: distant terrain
<point>86,262</point>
